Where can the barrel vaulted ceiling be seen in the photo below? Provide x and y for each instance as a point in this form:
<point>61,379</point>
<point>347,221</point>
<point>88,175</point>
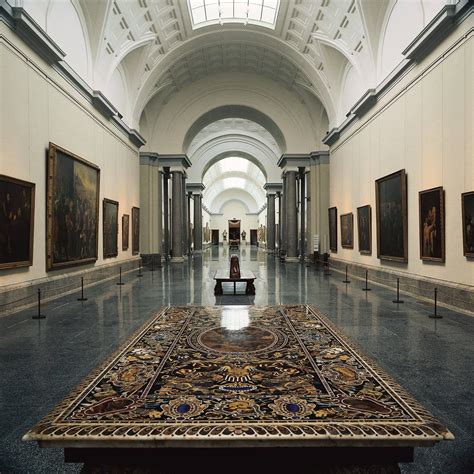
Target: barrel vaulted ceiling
<point>327,48</point>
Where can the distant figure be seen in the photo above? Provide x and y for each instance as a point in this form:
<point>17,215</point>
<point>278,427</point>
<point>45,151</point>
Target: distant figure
<point>234,267</point>
<point>224,235</point>
<point>243,235</point>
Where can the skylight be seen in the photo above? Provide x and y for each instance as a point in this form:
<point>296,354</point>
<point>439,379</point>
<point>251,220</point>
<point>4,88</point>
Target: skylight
<point>209,12</point>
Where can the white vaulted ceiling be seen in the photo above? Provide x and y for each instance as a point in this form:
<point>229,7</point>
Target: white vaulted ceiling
<point>331,51</point>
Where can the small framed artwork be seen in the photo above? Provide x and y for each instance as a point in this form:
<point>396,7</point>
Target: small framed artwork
<point>125,231</point>
<point>468,223</point>
<point>110,228</point>
<point>392,217</point>
<point>17,215</point>
<point>72,216</point>
<point>135,230</point>
<point>347,230</point>
<point>432,237</point>
<point>364,229</point>
<point>332,211</point>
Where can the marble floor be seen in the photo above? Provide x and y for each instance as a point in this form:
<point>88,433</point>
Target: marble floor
<point>42,361</point>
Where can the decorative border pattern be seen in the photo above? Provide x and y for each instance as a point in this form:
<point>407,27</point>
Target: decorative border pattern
<point>417,429</point>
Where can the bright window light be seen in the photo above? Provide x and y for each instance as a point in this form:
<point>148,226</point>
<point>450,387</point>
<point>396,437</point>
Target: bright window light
<point>257,12</point>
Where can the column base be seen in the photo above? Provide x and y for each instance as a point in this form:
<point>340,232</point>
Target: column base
<point>292,259</point>
<point>177,260</point>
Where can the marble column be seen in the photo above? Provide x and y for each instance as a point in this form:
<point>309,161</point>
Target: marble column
<point>283,218</point>
<point>291,217</point>
<point>271,222</point>
<point>177,217</point>
<point>184,214</point>
<point>302,212</point>
<point>166,230</point>
<point>197,222</point>
<point>279,221</point>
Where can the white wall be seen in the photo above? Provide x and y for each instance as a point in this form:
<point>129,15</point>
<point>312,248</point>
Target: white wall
<point>424,125</point>
<point>234,210</point>
<point>37,107</point>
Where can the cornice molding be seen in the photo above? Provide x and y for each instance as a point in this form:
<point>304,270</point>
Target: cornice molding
<point>19,21</point>
<point>429,38</point>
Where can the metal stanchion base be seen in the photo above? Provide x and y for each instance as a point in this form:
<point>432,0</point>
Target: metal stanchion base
<point>435,316</point>
<point>398,301</point>
<point>82,299</point>
<point>366,289</point>
<point>346,281</point>
<point>120,283</point>
<point>38,316</point>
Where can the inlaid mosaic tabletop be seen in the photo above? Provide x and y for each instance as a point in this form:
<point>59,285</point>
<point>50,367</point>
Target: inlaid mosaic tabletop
<point>234,375</point>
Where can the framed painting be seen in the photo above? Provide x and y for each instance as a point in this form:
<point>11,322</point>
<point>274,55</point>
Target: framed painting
<point>72,217</point>
<point>125,231</point>
<point>332,211</point>
<point>110,228</point>
<point>17,215</point>
<point>347,230</point>
<point>432,230</point>
<point>468,223</point>
<point>135,230</point>
<point>364,229</point>
<point>392,213</point>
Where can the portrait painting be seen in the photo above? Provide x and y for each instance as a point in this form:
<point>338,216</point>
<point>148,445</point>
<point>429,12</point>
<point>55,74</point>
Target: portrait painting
<point>347,230</point>
<point>364,229</point>
<point>17,210</point>
<point>72,209</point>
<point>431,204</point>
<point>125,231</point>
<point>110,228</point>
<point>391,212</point>
<point>135,230</point>
<point>332,211</point>
<point>468,223</point>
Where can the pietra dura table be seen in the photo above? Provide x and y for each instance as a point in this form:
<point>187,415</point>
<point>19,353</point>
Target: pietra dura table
<point>239,389</point>
<point>223,276</point>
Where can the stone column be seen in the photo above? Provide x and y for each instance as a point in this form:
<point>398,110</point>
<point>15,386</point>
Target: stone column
<point>184,213</point>
<point>291,217</point>
<point>283,218</point>
<point>302,212</point>
<point>188,227</point>
<point>271,222</point>
<point>279,220</point>
<point>177,217</point>
<point>166,230</point>
<point>197,223</point>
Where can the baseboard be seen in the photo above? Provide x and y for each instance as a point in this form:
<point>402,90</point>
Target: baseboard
<point>453,295</point>
<point>16,297</point>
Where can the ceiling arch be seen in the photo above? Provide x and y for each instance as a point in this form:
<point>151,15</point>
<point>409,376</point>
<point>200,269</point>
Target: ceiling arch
<point>234,112</point>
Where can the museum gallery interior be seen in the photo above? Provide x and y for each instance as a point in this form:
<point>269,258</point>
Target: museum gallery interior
<point>236,236</point>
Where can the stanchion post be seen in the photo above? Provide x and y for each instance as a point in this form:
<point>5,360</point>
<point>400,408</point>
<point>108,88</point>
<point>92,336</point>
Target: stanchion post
<point>152,264</point>
<point>120,277</point>
<point>346,281</point>
<point>39,315</point>
<point>398,300</point>
<point>140,274</point>
<point>435,315</point>
<point>82,291</point>
<point>366,282</point>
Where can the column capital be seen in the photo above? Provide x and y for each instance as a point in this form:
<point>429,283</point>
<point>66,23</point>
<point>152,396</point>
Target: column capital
<point>319,157</point>
<point>178,162</point>
<point>292,162</point>
<point>273,188</point>
<point>195,188</point>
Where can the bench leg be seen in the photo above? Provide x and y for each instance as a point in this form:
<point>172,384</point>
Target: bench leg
<point>218,288</point>
<point>250,290</point>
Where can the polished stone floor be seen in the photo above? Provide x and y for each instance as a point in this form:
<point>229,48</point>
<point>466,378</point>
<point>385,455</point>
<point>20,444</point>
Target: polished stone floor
<point>42,361</point>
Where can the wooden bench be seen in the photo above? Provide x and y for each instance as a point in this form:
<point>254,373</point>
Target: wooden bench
<point>223,276</point>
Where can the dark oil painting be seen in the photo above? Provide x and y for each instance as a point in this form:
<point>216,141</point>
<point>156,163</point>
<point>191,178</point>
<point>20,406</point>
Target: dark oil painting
<point>332,211</point>
<point>347,230</point>
<point>468,223</point>
<point>431,203</point>
<point>125,231</point>
<point>72,209</point>
<point>392,222</point>
<point>364,229</point>
<point>17,203</point>
<point>110,228</point>
<point>135,230</point>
